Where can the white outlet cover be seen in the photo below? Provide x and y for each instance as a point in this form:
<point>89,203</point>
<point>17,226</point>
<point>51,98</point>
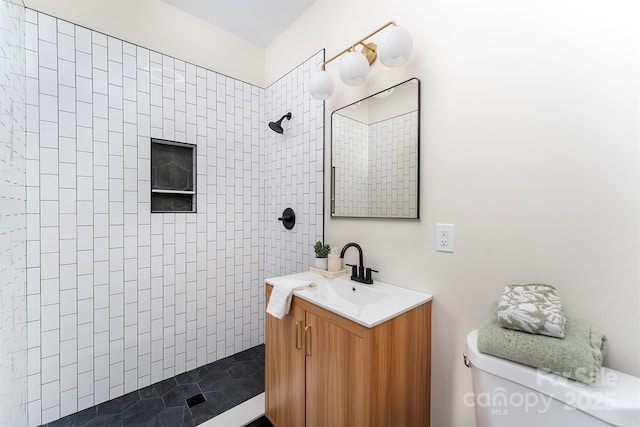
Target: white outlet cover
<point>444,237</point>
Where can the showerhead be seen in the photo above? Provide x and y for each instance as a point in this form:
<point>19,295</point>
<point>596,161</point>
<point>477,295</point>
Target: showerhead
<point>277,126</point>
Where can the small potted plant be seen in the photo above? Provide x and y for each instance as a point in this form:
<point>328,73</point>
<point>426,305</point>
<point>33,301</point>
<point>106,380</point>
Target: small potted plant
<point>322,251</point>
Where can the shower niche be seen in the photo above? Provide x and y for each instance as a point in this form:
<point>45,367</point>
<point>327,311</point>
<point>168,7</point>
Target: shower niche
<point>173,171</point>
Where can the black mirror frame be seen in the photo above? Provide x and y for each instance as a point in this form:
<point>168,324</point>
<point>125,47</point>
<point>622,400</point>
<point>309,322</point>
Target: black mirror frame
<point>332,178</point>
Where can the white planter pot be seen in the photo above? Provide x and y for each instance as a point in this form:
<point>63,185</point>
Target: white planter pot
<point>320,263</point>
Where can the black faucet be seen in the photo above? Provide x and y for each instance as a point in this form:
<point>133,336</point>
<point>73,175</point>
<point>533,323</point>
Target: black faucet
<point>358,272</point>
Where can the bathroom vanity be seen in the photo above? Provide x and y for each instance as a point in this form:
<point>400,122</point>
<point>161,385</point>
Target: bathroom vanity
<point>349,354</point>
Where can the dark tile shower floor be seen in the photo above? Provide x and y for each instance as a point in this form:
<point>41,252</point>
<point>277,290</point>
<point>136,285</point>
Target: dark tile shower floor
<point>224,383</point>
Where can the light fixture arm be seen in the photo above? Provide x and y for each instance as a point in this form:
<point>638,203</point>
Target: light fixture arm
<point>361,41</point>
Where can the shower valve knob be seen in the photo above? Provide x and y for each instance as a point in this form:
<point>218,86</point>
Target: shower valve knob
<point>288,218</point>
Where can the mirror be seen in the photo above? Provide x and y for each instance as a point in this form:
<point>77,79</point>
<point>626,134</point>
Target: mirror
<point>375,150</point>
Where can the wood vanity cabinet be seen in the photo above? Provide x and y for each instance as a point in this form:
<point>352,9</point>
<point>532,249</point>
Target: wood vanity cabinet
<point>323,370</point>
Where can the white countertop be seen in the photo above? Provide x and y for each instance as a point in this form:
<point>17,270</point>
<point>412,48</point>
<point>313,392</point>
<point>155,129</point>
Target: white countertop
<point>368,305</point>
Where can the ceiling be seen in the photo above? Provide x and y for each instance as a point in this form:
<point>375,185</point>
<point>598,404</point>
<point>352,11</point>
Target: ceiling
<point>258,21</point>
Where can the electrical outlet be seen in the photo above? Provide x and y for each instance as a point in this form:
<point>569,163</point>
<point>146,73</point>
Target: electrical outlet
<point>444,237</point>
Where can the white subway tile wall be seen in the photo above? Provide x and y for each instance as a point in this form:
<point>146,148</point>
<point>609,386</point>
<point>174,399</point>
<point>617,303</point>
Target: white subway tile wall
<point>294,171</point>
<point>119,298</point>
<point>351,167</point>
<point>373,176</point>
<point>393,166</point>
<point>13,218</point>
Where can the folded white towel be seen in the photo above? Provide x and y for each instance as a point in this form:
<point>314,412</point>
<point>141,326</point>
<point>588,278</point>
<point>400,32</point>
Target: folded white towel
<point>280,300</point>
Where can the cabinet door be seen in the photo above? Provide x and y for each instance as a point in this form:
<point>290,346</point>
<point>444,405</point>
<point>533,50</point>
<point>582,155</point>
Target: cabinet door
<point>284,367</point>
<point>335,375</point>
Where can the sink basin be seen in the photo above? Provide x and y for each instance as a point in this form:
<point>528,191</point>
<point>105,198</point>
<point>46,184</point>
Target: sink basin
<point>368,305</point>
<point>355,293</point>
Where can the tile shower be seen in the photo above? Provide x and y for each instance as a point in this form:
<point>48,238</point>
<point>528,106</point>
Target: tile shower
<point>118,298</point>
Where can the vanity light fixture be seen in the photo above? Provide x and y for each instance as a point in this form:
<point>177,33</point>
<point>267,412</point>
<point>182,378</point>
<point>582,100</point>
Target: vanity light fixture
<point>393,49</point>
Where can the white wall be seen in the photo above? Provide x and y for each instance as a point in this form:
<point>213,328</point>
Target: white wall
<point>13,218</point>
<point>529,145</point>
<point>159,26</point>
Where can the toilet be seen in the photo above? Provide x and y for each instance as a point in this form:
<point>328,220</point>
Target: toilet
<point>510,394</point>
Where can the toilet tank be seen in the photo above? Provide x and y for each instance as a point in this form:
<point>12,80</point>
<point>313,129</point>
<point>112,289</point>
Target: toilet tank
<point>507,393</point>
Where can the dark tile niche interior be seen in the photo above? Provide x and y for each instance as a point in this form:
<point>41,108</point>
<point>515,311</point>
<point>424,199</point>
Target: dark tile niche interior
<point>172,168</point>
<point>223,384</point>
<point>171,202</point>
